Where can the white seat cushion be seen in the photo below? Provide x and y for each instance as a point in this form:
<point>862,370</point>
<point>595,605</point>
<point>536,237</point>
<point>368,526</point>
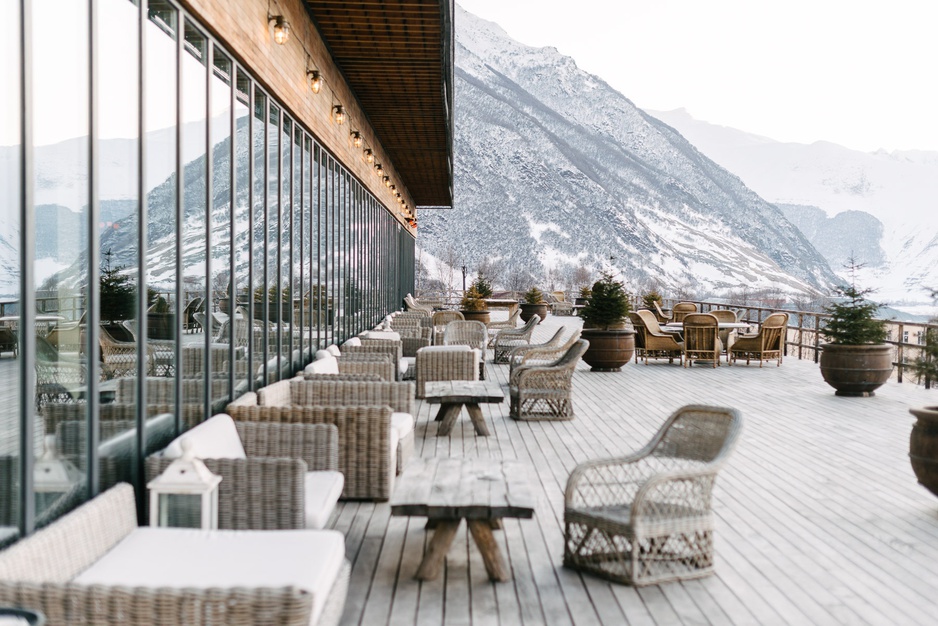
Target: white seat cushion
<point>402,423</point>
<point>322,492</point>
<point>459,348</point>
<point>354,341</point>
<point>376,334</point>
<point>402,366</point>
<point>180,557</point>
<point>326,365</point>
<point>333,350</point>
<point>215,438</point>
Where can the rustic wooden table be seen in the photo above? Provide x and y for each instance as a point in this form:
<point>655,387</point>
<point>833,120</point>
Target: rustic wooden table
<point>481,491</point>
<point>451,395</point>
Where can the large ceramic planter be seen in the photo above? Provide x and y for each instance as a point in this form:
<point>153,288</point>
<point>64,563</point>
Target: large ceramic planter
<point>476,316</point>
<point>856,370</point>
<point>609,350</point>
<point>529,310</point>
<point>161,325</point>
<point>923,447</point>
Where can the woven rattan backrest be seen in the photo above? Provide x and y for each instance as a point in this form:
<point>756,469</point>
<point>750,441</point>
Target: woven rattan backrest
<point>698,433</point>
<point>681,309</point>
<point>466,333</point>
<point>700,331</point>
<point>61,551</point>
<point>572,356</point>
<point>658,308</point>
<point>773,329</point>
<point>650,321</point>
<point>397,395</point>
<point>724,315</point>
<point>639,327</point>
<point>442,318</point>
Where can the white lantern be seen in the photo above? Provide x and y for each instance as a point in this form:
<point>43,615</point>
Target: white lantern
<point>185,494</point>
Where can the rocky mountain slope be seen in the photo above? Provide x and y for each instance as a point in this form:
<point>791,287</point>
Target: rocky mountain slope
<point>555,169</point>
<point>899,189</point>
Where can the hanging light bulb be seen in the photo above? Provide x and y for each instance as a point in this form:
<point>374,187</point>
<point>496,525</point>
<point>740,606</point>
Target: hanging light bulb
<point>339,114</point>
<point>387,181</point>
<point>369,156</point>
<point>393,187</point>
<point>281,29</point>
<point>315,80</point>
<point>378,169</point>
<point>356,139</point>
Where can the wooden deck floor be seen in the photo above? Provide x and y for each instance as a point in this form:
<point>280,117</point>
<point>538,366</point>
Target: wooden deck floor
<point>819,517</point>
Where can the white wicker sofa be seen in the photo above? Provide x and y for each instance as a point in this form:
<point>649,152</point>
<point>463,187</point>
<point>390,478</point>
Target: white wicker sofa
<point>95,566</point>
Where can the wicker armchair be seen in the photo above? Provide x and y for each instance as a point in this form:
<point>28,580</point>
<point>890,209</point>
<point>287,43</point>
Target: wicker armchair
<point>540,392</point>
<point>541,354</point>
<point>46,571</point>
<point>378,365</point>
<point>646,518</point>
<point>189,323</point>
<point>468,333</point>
<point>657,343</point>
<point>57,375</point>
<point>768,343</point>
<point>661,315</point>
<point>440,320</point>
<point>118,358</point>
<point>510,338</point>
<point>727,335</point>
<point>681,310</point>
<point>445,363</point>
<point>702,338</point>
<point>494,327</point>
<point>267,490</point>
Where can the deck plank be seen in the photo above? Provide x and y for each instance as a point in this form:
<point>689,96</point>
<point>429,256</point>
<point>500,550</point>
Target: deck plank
<point>818,515</point>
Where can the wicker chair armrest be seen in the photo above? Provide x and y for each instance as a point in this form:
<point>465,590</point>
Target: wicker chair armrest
<point>275,394</point>
<point>608,481</point>
<point>410,345</point>
<point>541,376</point>
<point>248,398</point>
<point>674,494</point>
<point>351,378</point>
<point>316,444</point>
<point>143,606</point>
<point>255,493</point>
<point>382,369</point>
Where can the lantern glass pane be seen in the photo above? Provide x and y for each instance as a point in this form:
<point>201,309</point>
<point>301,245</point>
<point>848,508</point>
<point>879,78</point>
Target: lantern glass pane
<point>181,510</point>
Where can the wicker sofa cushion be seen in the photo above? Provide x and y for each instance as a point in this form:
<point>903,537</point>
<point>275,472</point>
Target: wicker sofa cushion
<point>459,348</point>
<point>402,423</point>
<point>333,350</point>
<point>324,364</point>
<point>179,557</point>
<point>380,334</point>
<point>323,490</point>
<point>215,438</point>
<point>353,341</point>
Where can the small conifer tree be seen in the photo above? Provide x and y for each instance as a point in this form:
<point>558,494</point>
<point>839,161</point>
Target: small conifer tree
<point>608,304</point>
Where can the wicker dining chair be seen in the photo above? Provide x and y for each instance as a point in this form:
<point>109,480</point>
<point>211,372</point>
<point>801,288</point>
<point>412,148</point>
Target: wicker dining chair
<point>543,392</point>
<point>495,327</point>
<point>440,320</point>
<point>767,344</point>
<point>662,316</point>
<point>727,335</point>
<point>702,338</point>
<point>509,338</point>
<point>681,310</point>
<point>468,333</point>
<point>657,343</point>
<point>647,517</point>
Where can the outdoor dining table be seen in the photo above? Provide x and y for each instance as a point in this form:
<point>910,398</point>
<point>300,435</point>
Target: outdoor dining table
<point>678,327</point>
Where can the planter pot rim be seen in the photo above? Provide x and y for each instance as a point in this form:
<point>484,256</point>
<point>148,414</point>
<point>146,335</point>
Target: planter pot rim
<point>847,347</point>
<point>611,330</point>
<point>926,412</point>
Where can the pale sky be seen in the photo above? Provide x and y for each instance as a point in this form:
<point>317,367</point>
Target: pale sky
<point>860,73</point>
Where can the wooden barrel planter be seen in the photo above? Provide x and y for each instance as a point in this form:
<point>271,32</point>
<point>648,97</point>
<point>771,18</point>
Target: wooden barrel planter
<point>923,447</point>
<point>529,310</point>
<point>478,316</point>
<point>856,370</point>
<point>609,350</point>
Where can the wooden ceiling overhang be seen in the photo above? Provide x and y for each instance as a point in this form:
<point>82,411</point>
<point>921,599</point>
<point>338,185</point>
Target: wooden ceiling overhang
<point>397,56</point>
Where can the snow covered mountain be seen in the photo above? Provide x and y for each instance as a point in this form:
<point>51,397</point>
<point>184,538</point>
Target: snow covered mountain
<point>898,189</point>
<point>555,169</point>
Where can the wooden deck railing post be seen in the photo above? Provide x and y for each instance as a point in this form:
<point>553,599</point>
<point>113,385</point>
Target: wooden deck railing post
<point>900,341</point>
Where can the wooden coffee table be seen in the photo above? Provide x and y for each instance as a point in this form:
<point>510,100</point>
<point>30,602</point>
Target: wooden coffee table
<point>451,395</point>
<point>481,491</point>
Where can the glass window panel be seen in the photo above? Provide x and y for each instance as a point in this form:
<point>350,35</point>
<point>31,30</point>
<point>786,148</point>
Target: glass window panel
<point>296,266</point>
<point>11,404</point>
<point>61,185</point>
<point>160,185</point>
<point>284,295</point>
<point>273,261</point>
<point>259,224</point>
<point>194,242</point>
<point>241,234</point>
<point>234,324</point>
<point>308,271</point>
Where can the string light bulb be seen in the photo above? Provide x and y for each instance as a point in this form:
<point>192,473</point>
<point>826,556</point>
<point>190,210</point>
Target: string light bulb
<point>356,139</point>
<point>378,169</point>
<point>387,181</point>
<point>315,80</point>
<point>339,114</point>
<point>281,29</point>
<point>369,156</point>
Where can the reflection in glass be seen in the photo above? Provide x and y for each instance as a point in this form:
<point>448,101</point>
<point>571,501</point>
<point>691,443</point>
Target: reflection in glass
<point>10,228</point>
<point>198,354</point>
<point>233,324</point>
<point>241,236</point>
<point>285,296</point>
<point>259,243</point>
<point>307,270</point>
<point>296,288</point>
<point>61,185</point>
<point>272,293</point>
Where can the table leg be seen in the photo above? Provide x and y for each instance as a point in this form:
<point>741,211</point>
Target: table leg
<point>441,413</point>
<point>491,554</point>
<point>449,419</point>
<point>439,546</point>
<point>478,420</point>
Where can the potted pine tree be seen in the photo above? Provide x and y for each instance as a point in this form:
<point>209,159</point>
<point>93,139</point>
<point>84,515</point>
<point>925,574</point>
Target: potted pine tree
<point>533,304</point>
<point>612,345</point>
<point>856,361</point>
<point>473,306</point>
